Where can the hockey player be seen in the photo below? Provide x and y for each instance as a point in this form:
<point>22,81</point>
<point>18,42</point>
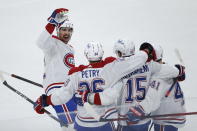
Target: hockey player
<point>132,89</point>
<point>87,79</point>
<point>175,100</point>
<point>58,60</point>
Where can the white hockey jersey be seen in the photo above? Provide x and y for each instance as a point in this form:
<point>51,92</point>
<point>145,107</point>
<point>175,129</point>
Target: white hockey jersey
<point>174,103</point>
<point>58,59</point>
<point>92,77</point>
<point>133,87</point>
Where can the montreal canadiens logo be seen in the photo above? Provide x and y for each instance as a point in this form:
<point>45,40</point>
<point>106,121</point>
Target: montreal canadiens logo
<point>69,60</point>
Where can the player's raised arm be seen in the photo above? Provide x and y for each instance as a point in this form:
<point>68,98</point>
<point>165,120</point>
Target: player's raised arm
<point>123,66</point>
<point>116,70</point>
<point>165,71</point>
<point>56,19</point>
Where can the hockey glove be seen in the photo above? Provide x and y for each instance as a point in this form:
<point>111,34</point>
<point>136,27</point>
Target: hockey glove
<point>148,48</point>
<point>42,101</point>
<point>181,76</point>
<point>81,97</point>
<point>134,114</point>
<point>58,17</point>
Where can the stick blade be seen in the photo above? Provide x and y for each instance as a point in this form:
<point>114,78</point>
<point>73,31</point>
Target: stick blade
<point>178,54</point>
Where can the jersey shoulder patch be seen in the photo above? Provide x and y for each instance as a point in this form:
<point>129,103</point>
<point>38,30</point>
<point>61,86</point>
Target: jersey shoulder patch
<point>69,60</point>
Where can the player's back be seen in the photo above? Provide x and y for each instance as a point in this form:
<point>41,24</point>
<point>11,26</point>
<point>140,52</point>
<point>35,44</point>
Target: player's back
<point>136,84</point>
<point>89,79</point>
<point>135,87</point>
<point>175,101</point>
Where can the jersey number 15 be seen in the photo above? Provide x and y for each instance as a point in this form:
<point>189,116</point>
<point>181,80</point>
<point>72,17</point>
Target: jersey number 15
<point>135,89</point>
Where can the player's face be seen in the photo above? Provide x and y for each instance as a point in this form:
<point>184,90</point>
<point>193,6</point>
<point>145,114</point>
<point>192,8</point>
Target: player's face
<point>65,34</point>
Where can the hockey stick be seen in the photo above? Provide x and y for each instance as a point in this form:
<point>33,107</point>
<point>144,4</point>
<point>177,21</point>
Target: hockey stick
<point>171,87</point>
<point>28,99</point>
<point>150,126</point>
<point>177,52</point>
<point>153,116</point>
<point>22,78</point>
<point>167,115</point>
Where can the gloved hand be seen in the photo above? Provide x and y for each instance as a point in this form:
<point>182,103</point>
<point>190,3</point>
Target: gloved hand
<point>135,113</point>
<point>148,48</point>
<point>181,76</point>
<point>81,97</point>
<point>58,17</point>
<point>41,102</point>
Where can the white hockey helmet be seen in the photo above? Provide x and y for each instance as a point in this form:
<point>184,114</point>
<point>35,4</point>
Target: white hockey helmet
<point>94,51</point>
<point>67,23</point>
<point>158,51</point>
<point>125,47</point>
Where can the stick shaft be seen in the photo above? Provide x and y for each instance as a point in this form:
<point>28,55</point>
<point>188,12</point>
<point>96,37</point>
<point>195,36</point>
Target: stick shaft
<point>32,102</point>
<point>177,52</point>
<point>175,114</point>
<point>153,116</point>
<point>26,80</point>
<point>171,87</point>
<point>20,78</point>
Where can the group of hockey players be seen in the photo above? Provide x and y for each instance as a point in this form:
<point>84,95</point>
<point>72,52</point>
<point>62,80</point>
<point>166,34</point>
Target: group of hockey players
<point>126,89</point>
